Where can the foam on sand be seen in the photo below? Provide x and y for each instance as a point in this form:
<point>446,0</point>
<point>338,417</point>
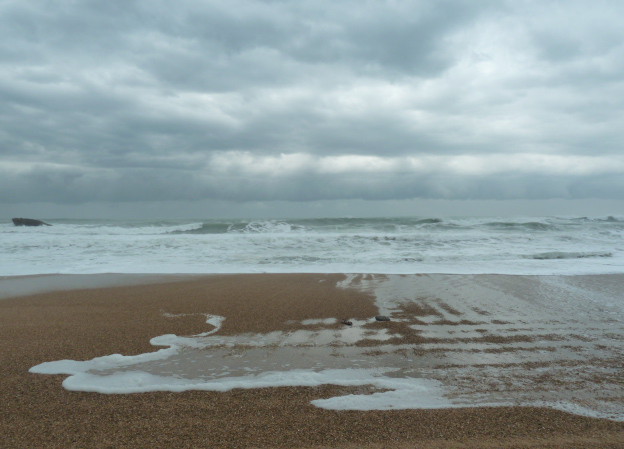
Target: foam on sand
<point>453,341</point>
<point>118,374</point>
<point>403,393</point>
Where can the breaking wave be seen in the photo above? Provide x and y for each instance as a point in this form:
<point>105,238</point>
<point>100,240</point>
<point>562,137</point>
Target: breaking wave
<point>510,225</point>
<point>337,245</point>
<point>314,225</point>
<point>251,227</point>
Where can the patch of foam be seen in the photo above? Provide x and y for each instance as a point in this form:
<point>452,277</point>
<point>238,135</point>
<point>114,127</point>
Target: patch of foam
<point>213,320</point>
<point>140,382</point>
<point>346,336</point>
<point>113,361</point>
<point>404,393</point>
<point>314,321</point>
<point>175,341</point>
<point>301,337</point>
<point>554,321</point>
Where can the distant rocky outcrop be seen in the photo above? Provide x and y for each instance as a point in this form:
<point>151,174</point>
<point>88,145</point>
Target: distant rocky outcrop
<point>29,222</point>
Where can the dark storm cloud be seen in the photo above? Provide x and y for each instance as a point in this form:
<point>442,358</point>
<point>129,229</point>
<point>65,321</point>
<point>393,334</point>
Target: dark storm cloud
<point>253,100</point>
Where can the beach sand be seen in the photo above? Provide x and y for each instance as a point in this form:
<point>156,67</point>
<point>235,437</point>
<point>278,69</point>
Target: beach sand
<point>80,324</point>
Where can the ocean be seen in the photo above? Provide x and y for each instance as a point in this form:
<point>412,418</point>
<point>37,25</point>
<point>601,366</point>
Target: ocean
<point>394,245</point>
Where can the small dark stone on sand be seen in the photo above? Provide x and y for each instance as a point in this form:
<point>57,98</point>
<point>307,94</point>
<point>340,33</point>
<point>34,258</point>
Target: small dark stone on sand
<point>382,318</point>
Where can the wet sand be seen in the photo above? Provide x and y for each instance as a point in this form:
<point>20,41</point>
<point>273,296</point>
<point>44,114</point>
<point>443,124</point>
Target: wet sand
<point>80,324</point>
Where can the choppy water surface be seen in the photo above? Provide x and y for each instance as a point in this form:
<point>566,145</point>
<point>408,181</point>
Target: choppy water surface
<point>354,245</point>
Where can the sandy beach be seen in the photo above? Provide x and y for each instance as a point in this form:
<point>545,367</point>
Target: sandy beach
<point>455,327</point>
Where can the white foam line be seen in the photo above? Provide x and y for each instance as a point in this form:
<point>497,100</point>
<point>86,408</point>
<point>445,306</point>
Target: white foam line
<point>214,320</point>
<point>404,392</point>
<point>75,367</point>
<point>314,321</point>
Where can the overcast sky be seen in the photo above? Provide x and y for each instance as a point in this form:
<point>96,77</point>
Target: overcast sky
<point>291,105</point>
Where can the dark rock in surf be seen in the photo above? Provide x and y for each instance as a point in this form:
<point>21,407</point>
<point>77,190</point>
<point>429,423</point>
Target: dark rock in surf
<point>347,322</point>
<point>382,318</point>
<point>29,222</point>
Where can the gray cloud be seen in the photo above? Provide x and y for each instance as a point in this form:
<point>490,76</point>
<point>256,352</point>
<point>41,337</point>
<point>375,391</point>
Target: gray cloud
<point>144,101</point>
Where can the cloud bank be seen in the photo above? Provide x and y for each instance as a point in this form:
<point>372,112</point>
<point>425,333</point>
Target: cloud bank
<point>310,100</point>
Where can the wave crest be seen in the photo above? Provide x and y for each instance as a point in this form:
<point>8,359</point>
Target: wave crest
<point>510,225</point>
<point>265,227</point>
<point>243,227</point>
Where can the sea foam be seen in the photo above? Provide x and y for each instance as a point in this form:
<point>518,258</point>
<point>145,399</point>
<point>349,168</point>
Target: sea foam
<point>478,341</point>
<point>345,245</point>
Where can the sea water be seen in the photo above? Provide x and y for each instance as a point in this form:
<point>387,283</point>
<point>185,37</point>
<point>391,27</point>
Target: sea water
<point>469,245</point>
<point>493,340</point>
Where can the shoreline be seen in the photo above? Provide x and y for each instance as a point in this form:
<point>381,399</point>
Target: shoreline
<point>91,322</point>
<point>14,286</point>
<point>33,284</point>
